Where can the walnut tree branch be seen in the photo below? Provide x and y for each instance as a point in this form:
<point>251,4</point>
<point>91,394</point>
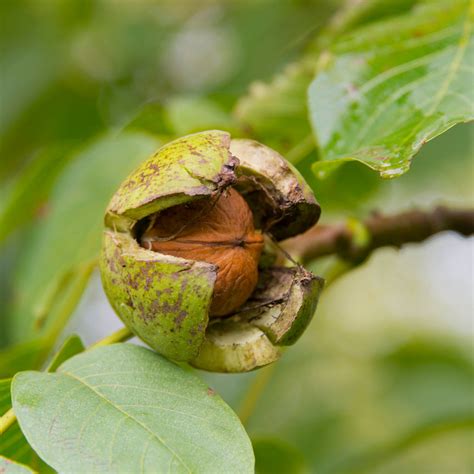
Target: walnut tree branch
<point>380,231</point>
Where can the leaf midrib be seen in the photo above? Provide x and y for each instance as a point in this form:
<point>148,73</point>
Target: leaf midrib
<point>127,415</point>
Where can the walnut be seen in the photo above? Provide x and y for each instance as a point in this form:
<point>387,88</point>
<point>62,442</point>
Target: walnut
<point>183,261</point>
<point>219,231</point>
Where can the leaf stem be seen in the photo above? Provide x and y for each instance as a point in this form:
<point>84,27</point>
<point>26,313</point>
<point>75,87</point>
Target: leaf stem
<point>7,420</point>
<point>123,334</point>
<point>301,150</point>
<point>254,392</point>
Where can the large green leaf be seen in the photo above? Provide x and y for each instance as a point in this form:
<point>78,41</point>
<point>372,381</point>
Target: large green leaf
<point>13,444</point>
<point>60,255</point>
<point>7,466</point>
<point>385,90</point>
<point>125,408</point>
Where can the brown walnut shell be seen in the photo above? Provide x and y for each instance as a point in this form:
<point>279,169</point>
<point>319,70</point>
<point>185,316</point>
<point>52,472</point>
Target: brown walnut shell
<point>180,246</point>
<point>218,231</point>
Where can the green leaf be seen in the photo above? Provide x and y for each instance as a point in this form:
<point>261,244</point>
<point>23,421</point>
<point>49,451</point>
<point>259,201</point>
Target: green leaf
<point>276,112</point>
<point>28,67</point>
<point>273,456</point>
<point>5,399</point>
<point>13,444</point>
<point>7,466</point>
<point>71,347</point>
<point>125,408</point>
<point>60,255</point>
<point>194,114</point>
<point>150,118</point>
<point>386,89</point>
<point>23,355</point>
<point>29,192</point>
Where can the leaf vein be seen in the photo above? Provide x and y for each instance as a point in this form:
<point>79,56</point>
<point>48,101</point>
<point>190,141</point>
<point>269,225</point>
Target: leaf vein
<point>397,70</point>
<point>383,106</point>
<point>106,400</point>
<point>453,67</point>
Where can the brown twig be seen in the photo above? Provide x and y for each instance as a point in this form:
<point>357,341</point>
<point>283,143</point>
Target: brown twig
<point>381,231</point>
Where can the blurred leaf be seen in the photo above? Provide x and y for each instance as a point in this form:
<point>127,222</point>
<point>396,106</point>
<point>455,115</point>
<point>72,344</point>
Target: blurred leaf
<point>193,114</point>
<point>30,190</point>
<point>353,14</point>
<point>23,355</point>
<point>61,253</point>
<point>32,353</point>
<point>378,456</point>
<point>13,444</point>
<point>273,456</point>
<point>71,347</point>
<point>5,399</point>
<point>7,466</point>
<point>150,118</point>
<point>48,124</point>
<point>427,361</point>
<point>334,403</point>
<point>273,33</point>
<point>34,44</point>
<point>27,69</point>
<point>385,90</point>
<point>134,411</point>
<point>276,112</point>
<point>347,190</point>
<point>59,303</point>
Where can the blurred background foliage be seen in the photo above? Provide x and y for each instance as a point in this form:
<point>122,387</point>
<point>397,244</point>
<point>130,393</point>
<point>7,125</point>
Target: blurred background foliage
<point>383,379</point>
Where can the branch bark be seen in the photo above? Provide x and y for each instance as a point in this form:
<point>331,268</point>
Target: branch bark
<point>381,231</point>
